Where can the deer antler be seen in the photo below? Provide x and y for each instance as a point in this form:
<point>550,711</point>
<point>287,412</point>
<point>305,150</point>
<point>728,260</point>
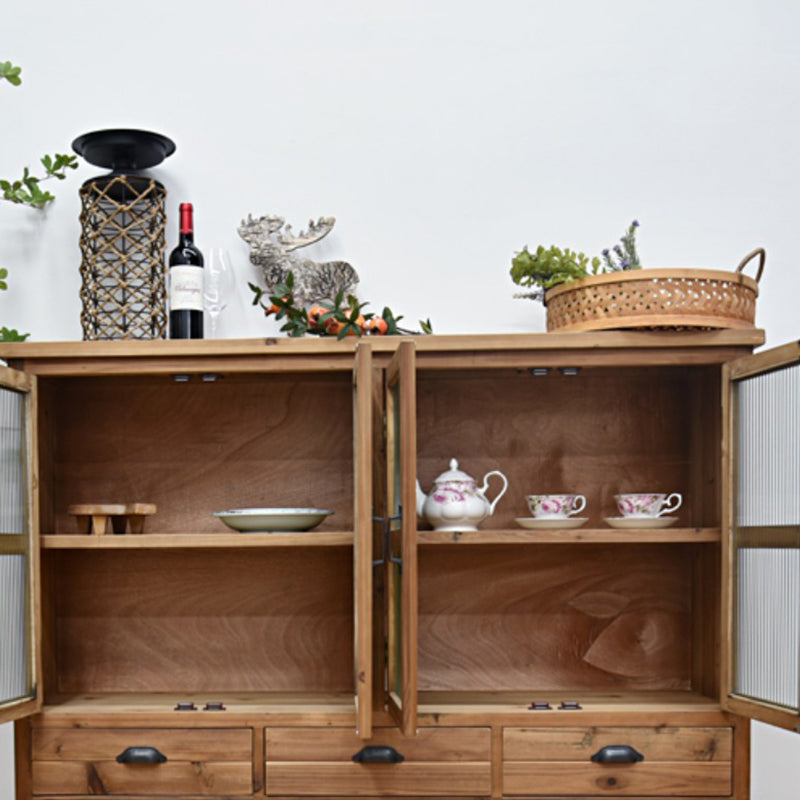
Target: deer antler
<point>316,231</point>
<point>254,231</point>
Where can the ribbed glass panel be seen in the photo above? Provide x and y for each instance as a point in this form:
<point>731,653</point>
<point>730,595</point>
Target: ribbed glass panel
<point>768,625</point>
<point>769,449</point>
<point>12,463</point>
<point>13,628</point>
<point>767,537</point>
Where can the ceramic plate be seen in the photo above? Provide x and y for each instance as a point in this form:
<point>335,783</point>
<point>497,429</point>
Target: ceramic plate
<point>271,520</point>
<point>535,524</point>
<point>640,522</point>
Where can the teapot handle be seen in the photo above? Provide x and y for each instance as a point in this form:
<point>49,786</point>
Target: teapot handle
<point>485,486</point>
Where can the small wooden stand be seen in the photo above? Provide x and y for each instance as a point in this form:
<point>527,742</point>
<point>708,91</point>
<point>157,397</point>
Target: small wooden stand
<point>124,517</point>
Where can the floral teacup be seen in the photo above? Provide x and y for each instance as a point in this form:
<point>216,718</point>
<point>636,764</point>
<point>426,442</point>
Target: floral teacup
<point>648,504</point>
<point>555,506</point>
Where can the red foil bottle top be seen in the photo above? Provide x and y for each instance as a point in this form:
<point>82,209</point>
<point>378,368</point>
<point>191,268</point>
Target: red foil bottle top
<point>187,224</point>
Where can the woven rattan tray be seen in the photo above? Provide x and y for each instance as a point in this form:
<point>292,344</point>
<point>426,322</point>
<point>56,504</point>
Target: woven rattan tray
<point>657,299</point>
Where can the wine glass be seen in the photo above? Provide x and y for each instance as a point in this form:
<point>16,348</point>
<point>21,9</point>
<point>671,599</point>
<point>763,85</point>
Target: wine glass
<point>218,285</point>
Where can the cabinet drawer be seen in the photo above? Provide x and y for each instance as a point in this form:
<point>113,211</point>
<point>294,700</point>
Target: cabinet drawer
<point>676,761</point>
<point>438,761</point>
<point>197,761</point>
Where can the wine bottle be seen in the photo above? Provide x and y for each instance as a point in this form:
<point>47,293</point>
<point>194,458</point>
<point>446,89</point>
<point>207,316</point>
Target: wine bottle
<point>186,282</point>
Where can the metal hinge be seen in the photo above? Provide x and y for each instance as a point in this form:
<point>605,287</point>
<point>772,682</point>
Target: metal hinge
<point>386,536</point>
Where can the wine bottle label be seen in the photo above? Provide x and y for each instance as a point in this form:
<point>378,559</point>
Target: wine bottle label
<point>186,288</point>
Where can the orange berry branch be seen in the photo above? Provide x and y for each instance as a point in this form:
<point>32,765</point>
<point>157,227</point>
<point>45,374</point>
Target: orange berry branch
<point>340,318</point>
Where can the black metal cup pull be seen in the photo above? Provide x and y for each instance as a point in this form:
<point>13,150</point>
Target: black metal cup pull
<point>617,754</point>
<point>378,754</point>
<point>141,755</point>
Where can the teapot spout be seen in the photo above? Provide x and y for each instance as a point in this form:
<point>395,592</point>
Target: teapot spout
<point>421,498</point>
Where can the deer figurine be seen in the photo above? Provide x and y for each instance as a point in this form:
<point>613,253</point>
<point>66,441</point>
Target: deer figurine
<point>272,243</point>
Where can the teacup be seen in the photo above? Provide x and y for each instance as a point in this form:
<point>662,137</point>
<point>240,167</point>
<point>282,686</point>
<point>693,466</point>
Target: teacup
<point>555,506</point>
<point>648,504</point>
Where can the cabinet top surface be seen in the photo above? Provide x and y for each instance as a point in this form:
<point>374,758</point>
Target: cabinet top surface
<point>712,346</point>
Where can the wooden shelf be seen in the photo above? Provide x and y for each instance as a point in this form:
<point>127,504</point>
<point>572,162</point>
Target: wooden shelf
<point>310,707</point>
<point>147,541</point>
<point>575,536</point>
<point>115,703</point>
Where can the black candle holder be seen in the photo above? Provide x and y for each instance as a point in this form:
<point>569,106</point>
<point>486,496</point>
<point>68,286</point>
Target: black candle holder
<point>123,217</point>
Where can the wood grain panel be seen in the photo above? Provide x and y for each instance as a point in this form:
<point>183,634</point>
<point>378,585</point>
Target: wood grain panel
<point>204,621</point>
<point>600,432</point>
<point>509,618</point>
<point>684,779</point>
<point>429,744</point>
<point>185,744</point>
<point>655,744</point>
<point>263,441</point>
<point>108,777</point>
<point>326,779</point>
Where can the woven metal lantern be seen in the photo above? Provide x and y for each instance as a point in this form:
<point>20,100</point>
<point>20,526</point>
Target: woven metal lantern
<point>123,273</point>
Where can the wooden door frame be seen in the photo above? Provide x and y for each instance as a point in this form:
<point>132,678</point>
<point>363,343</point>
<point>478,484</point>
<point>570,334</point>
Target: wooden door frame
<point>401,373</point>
<point>733,371</point>
<point>26,384</point>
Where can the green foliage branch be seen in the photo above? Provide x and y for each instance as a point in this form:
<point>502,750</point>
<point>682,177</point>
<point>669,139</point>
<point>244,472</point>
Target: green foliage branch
<point>26,190</point>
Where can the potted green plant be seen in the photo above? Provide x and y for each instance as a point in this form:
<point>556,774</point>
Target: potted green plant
<point>552,266</point>
<point>27,190</point>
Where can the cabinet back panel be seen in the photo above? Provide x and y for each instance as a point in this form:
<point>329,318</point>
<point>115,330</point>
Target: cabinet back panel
<point>193,448</point>
<point>598,433</point>
<point>189,621</point>
<point>510,618</point>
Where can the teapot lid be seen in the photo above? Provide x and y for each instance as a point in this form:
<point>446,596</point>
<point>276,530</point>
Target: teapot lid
<point>453,474</point>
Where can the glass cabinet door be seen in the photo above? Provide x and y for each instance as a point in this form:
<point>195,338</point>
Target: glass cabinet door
<point>763,537</point>
<point>18,549</point>
<point>401,505</point>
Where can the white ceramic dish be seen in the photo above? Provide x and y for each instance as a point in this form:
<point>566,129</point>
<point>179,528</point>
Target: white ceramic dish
<point>563,524</point>
<point>272,520</point>
<point>629,523</point>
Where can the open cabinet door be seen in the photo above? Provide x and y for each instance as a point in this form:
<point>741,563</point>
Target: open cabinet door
<point>761,536</point>
<point>362,550</point>
<point>20,647</point>
<point>401,558</point>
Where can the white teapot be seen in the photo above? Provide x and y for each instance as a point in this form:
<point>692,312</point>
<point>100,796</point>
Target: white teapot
<point>455,503</point>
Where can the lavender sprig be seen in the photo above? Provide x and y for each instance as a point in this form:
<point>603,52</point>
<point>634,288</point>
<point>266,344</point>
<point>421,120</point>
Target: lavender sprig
<point>624,256</point>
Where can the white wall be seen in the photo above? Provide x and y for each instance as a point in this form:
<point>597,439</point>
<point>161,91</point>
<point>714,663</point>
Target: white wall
<point>442,135</point>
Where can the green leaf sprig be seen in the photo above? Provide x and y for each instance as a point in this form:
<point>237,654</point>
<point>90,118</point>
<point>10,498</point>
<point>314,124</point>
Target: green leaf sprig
<point>548,267</point>
<point>10,73</point>
<point>26,190</point>
<point>12,335</point>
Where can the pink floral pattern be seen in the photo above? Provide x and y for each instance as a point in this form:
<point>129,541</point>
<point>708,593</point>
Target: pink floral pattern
<point>555,505</point>
<point>449,493</point>
<point>645,504</point>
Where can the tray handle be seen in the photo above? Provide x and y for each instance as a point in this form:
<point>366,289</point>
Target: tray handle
<point>761,253</point>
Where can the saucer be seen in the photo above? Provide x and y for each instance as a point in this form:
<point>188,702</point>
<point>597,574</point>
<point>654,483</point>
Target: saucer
<point>563,523</point>
<point>272,520</point>
<point>640,522</point>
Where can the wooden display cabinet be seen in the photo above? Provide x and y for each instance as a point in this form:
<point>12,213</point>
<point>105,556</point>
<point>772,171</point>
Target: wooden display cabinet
<point>372,656</point>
